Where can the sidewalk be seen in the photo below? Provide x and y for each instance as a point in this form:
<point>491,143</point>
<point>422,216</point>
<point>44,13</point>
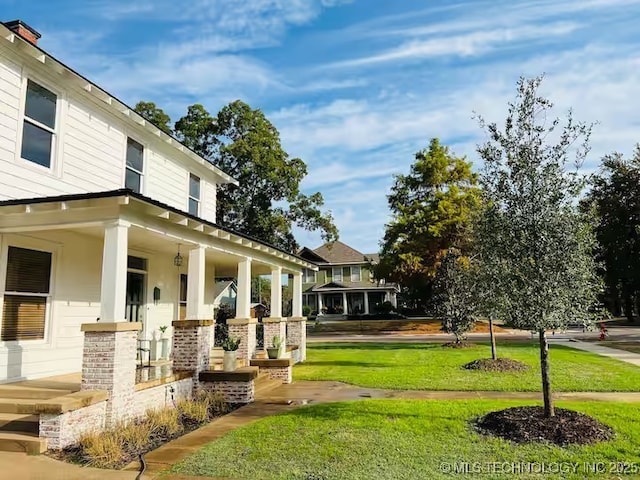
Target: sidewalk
<point>622,355</point>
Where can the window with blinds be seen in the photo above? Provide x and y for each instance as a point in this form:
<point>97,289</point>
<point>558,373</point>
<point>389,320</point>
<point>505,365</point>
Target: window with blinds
<point>27,289</point>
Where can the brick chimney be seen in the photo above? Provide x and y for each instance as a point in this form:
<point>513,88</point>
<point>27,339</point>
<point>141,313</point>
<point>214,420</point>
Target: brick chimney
<point>24,30</point>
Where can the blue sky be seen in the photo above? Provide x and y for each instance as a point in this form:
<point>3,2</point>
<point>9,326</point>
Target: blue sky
<point>357,87</point>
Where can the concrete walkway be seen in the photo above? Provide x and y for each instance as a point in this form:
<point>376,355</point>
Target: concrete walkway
<point>622,355</point>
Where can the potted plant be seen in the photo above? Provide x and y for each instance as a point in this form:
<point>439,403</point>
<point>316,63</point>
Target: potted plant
<point>276,350</point>
<point>164,341</point>
<point>230,356</point>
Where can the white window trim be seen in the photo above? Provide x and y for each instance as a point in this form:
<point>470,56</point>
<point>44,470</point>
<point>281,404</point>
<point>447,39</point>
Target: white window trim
<point>334,278</point>
<point>359,279</point>
<point>55,163</point>
<point>189,197</point>
<point>142,174</point>
<point>7,241</point>
<point>310,276</point>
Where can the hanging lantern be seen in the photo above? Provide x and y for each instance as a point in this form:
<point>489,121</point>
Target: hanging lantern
<point>177,260</point>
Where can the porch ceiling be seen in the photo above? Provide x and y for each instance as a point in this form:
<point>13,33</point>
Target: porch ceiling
<point>145,242</point>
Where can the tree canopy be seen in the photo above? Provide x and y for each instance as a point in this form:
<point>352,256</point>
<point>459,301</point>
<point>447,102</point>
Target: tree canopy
<point>432,208</point>
<point>534,245</point>
<point>155,115</point>
<point>242,142</point>
<point>615,201</point>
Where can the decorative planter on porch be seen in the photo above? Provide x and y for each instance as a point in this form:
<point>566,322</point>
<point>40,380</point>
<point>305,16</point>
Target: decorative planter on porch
<point>230,361</point>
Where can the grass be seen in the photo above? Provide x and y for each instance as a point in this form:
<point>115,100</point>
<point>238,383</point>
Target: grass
<point>405,439</point>
<point>431,367</point>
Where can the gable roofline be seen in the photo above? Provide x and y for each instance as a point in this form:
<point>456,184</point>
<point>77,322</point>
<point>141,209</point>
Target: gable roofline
<point>311,253</point>
<point>110,101</point>
<point>339,253</point>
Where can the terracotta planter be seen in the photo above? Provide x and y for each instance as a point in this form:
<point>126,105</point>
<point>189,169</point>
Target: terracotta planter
<point>229,361</point>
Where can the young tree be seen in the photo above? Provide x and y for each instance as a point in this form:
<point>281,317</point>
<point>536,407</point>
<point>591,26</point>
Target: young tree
<point>432,208</point>
<point>532,241</point>
<point>246,145</point>
<point>456,297</point>
<point>155,115</point>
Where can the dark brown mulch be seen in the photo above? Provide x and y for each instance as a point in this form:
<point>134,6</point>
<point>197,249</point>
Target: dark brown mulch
<point>497,365</point>
<point>462,344</point>
<point>528,424</point>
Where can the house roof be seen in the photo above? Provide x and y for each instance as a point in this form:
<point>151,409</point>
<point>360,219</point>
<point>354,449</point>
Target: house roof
<point>125,192</point>
<point>338,253</point>
<point>220,287</point>
<point>110,101</point>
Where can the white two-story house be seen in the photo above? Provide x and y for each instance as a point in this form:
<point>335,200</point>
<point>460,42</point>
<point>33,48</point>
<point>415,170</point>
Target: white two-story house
<point>103,217</point>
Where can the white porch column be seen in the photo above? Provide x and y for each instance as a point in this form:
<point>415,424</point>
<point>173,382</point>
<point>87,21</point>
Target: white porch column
<point>366,303</point>
<point>276,292</point>
<point>113,288</point>
<point>195,285</point>
<point>243,298</point>
<point>320,304</point>
<point>345,305</point>
<point>296,307</point>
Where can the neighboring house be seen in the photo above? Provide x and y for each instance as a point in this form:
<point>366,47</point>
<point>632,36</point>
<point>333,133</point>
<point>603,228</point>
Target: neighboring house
<point>225,292</point>
<point>344,283</point>
<point>103,216</point>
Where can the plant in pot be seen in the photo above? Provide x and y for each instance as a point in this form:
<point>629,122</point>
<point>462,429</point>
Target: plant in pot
<point>276,350</point>
<point>164,342</point>
<point>230,347</point>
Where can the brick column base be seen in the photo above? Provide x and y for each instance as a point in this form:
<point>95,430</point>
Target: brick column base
<point>297,335</point>
<point>109,363</point>
<point>272,327</point>
<point>191,346</point>
<point>245,330</point>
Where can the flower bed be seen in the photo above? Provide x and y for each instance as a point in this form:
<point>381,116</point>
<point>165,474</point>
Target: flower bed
<point>121,444</point>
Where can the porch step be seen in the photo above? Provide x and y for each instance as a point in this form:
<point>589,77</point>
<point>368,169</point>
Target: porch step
<point>35,393</point>
<point>264,385</point>
<point>12,422</point>
<point>22,442</point>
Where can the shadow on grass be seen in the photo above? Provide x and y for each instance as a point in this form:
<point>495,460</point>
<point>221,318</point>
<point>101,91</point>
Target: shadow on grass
<point>418,346</point>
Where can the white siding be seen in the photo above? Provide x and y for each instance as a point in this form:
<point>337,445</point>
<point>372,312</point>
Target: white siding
<point>91,146</point>
<point>208,207</point>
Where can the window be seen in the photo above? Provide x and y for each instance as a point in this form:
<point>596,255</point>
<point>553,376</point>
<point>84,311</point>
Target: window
<point>27,289</point>
<point>135,166</point>
<point>337,274</point>
<point>39,126</point>
<point>346,274</point>
<point>182,301</point>
<point>194,195</point>
<point>355,274</point>
<point>309,276</point>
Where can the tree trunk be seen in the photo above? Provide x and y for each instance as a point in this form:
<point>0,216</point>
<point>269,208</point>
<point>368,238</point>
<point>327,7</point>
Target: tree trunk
<point>628,305</point>
<point>544,370</point>
<point>494,355</point>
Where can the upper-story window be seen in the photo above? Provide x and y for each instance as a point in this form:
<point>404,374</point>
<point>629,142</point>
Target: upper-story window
<point>135,166</point>
<point>194,195</point>
<point>309,276</point>
<point>356,274</point>
<point>39,126</point>
<point>337,274</point>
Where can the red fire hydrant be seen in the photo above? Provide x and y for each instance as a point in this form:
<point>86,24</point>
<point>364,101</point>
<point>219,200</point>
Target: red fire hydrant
<point>603,331</point>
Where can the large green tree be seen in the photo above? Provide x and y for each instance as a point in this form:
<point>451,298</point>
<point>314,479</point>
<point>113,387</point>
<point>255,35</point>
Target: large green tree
<point>432,207</point>
<point>615,201</point>
<point>534,245</point>
<point>268,203</point>
<point>155,115</point>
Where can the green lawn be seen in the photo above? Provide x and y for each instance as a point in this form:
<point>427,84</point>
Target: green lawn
<point>405,439</point>
<point>432,367</point>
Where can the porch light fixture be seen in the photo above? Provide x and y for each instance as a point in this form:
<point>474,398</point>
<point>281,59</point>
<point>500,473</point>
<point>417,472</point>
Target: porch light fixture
<point>177,260</point>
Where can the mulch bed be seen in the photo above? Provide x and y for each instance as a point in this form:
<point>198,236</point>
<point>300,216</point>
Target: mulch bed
<point>497,365</point>
<point>462,344</point>
<point>528,424</point>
